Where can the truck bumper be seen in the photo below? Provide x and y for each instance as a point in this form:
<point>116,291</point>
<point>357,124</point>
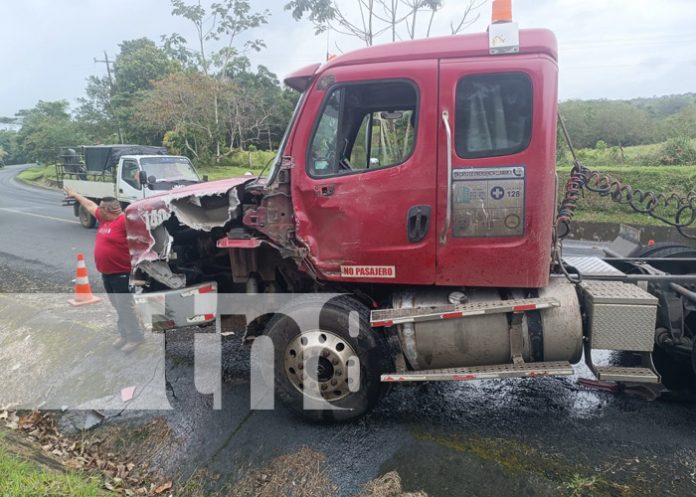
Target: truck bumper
<point>194,305</point>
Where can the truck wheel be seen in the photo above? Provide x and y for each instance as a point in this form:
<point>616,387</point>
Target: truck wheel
<point>320,366</point>
<point>87,220</point>
<point>678,373</point>
<point>664,250</point>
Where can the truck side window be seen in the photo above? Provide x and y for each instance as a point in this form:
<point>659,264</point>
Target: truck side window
<point>129,174</point>
<point>364,126</point>
<point>493,115</point>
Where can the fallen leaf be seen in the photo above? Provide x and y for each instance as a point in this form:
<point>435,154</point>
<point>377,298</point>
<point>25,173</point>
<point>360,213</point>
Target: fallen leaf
<point>164,487</point>
<point>127,393</point>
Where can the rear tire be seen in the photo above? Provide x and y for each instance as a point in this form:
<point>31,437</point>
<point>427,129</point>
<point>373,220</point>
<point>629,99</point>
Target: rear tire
<point>663,250</point>
<point>87,220</point>
<point>316,333</point>
<point>678,372</point>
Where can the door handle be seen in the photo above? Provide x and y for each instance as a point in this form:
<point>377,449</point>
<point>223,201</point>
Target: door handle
<point>448,215</point>
<point>120,190</point>
<point>324,190</point>
<point>418,222</point>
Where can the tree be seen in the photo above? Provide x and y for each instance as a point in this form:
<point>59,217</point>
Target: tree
<point>181,104</point>
<point>262,108</point>
<point>8,144</point>
<point>45,129</point>
<point>139,64</point>
<point>618,123</point>
<point>368,20</point>
<point>226,20</point>
<point>95,115</point>
<point>108,106</point>
<point>252,109</point>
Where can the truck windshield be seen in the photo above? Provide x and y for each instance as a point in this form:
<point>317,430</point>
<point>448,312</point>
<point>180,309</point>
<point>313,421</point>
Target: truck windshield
<point>169,169</point>
<point>275,167</point>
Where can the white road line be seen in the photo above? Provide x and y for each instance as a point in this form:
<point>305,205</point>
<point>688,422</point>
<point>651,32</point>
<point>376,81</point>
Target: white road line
<point>38,215</point>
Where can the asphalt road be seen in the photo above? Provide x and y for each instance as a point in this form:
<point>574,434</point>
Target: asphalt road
<point>522,437</point>
<point>41,235</point>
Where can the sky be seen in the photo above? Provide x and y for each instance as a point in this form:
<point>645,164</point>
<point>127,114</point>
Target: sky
<point>612,49</point>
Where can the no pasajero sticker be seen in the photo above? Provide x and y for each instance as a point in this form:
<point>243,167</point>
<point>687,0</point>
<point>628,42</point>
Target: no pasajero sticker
<point>386,272</point>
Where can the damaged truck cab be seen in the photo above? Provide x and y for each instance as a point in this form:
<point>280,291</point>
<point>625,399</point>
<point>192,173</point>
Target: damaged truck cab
<point>416,179</point>
<point>360,191</point>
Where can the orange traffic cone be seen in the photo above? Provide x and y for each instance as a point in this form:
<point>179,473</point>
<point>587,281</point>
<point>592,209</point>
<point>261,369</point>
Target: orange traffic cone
<point>83,292</point>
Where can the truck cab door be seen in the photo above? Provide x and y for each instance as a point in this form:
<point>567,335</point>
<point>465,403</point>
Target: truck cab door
<point>129,188</point>
<point>496,170</point>
<point>363,185</point>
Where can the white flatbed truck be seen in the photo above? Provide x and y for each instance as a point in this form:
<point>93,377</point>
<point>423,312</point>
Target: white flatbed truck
<point>125,172</point>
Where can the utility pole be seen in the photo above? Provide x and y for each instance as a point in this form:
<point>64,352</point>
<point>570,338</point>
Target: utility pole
<point>111,87</point>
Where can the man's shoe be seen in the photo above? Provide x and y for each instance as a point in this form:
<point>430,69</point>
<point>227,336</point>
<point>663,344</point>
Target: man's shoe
<point>131,346</point>
<point>119,342</point>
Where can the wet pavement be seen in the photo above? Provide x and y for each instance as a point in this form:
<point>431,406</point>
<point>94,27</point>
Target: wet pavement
<point>546,436</point>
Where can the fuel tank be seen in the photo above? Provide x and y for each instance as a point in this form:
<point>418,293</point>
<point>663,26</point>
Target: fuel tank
<point>553,334</point>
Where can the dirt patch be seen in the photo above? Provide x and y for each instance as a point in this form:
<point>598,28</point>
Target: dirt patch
<point>137,443</point>
<point>388,485</point>
<point>300,474</point>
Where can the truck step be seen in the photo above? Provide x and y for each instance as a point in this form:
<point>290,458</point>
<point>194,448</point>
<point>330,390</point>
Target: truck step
<point>500,371</point>
<point>633,375</point>
<point>390,317</point>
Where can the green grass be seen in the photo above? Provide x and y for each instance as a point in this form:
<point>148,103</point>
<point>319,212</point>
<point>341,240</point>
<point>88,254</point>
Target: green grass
<point>659,179</point>
<point>237,164</point>
<point>222,172</point>
<point>40,175</point>
<point>21,478</point>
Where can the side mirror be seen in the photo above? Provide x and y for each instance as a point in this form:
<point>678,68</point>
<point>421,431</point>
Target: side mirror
<point>205,177</point>
<point>142,177</point>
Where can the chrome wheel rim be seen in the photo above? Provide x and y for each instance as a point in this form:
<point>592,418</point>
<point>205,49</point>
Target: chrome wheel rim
<point>316,364</point>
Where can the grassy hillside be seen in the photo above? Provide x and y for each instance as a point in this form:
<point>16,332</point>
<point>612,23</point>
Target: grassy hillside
<point>664,179</point>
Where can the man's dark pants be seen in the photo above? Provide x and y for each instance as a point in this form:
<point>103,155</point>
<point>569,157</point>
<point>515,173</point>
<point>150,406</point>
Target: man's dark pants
<point>116,286</point>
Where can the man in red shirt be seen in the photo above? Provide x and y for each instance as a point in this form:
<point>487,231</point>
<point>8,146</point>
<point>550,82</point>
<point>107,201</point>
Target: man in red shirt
<point>113,262</point>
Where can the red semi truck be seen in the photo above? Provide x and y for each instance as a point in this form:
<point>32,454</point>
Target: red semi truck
<point>418,180</point>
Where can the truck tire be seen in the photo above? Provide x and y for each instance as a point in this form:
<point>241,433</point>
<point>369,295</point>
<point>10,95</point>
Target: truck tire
<point>316,332</point>
<point>678,373</point>
<point>664,250</point>
<point>87,220</point>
